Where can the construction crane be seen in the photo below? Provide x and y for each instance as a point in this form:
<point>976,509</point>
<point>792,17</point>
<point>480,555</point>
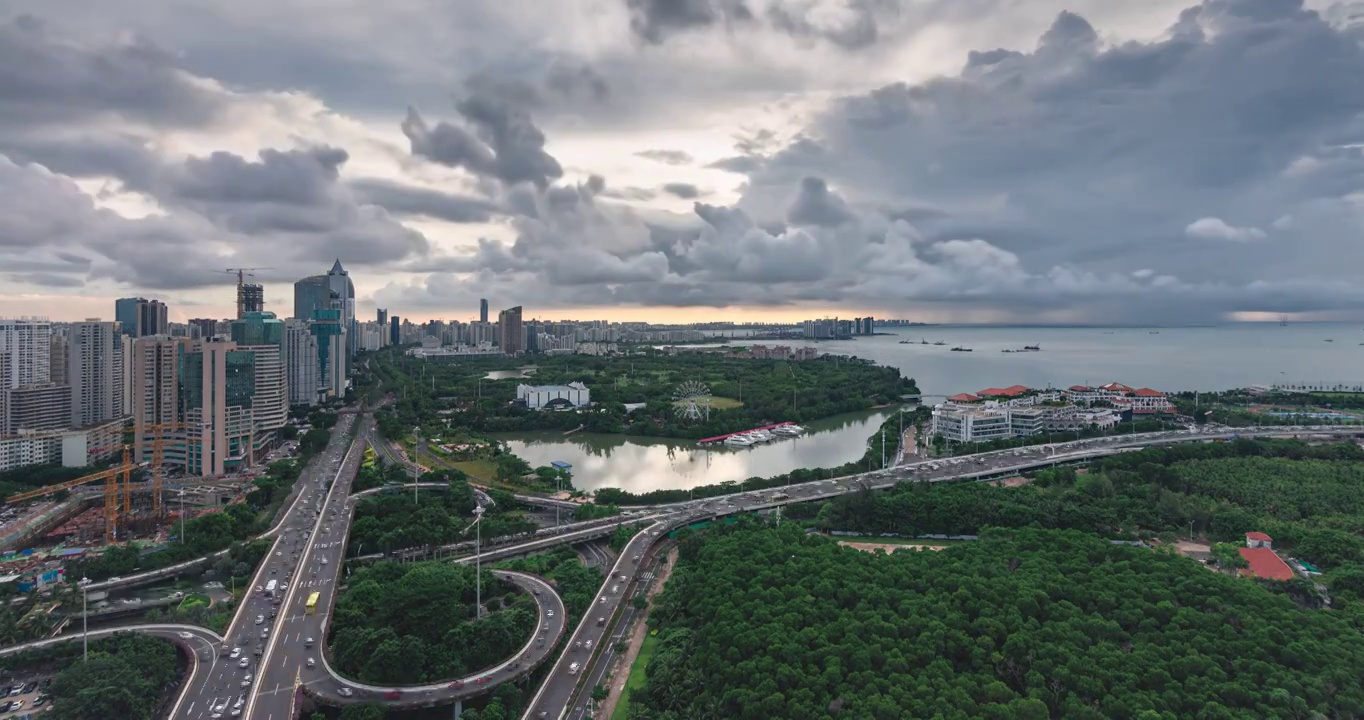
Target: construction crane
<point>242,274</point>
<point>158,439</point>
<point>110,478</point>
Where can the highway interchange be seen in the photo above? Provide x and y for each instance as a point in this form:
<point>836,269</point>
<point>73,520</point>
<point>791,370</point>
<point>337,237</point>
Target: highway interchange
<point>316,524</point>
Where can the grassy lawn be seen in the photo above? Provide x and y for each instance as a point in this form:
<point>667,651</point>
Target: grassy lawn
<point>720,403</point>
<point>638,674</point>
<point>478,469</point>
<point>896,541</point>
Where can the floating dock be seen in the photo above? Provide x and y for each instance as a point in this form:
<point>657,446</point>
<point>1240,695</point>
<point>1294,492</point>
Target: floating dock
<point>722,438</point>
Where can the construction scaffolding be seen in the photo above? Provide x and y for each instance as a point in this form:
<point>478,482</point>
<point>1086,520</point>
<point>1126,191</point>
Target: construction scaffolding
<point>110,478</point>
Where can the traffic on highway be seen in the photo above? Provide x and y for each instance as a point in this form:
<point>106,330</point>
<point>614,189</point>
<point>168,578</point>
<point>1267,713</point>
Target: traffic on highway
<point>232,681</point>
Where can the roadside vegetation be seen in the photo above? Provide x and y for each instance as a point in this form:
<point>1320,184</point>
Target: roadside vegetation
<point>415,622</point>
<point>128,676</point>
<point>451,394</point>
<point>1309,498</point>
<point>391,521</point>
<point>1026,623</point>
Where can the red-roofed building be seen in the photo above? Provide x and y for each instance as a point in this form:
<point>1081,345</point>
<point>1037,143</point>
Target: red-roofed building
<point>1011,391</point>
<point>964,398</point>
<point>1081,388</point>
<point>1117,387</point>
<point>1264,563</point>
<point>1142,402</point>
<point>1258,540</point>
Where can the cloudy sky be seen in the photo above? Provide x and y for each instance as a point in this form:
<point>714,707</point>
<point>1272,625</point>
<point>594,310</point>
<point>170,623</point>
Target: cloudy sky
<point>944,160</point>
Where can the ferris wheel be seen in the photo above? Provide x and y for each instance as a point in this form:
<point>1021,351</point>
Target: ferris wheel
<point>691,401</point>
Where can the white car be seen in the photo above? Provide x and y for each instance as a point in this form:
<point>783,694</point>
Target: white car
<point>236,653</point>
<point>344,692</point>
<point>260,619</point>
<point>244,663</point>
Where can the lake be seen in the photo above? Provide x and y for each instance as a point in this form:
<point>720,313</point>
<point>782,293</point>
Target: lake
<point>1169,359</point>
<point>640,464</point>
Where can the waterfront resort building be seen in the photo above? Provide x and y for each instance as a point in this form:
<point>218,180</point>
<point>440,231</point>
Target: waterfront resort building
<point>554,397</point>
<point>1017,411</point>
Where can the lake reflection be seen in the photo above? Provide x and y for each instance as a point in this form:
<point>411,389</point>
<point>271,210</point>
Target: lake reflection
<point>640,464</point>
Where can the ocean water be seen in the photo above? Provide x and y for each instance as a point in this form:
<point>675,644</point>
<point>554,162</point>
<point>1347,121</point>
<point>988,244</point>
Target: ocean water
<point>1169,359</point>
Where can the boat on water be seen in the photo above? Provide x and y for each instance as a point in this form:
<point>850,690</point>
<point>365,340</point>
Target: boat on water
<point>961,349</point>
<point>739,441</point>
<point>1329,340</point>
<point>1032,348</point>
<point>1008,350</point>
<point>939,343</point>
<point>904,342</point>
<point>788,430</point>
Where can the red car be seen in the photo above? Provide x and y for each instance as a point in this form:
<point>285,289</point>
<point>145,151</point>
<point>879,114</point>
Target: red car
<point>457,684</point>
<point>393,694</point>
<point>482,680</point>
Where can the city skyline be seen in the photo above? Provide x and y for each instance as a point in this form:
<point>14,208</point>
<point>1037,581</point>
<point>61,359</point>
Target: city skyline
<point>1045,161</point>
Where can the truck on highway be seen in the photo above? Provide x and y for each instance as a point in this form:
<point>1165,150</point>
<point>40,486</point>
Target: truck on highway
<point>780,496</point>
<point>270,588</point>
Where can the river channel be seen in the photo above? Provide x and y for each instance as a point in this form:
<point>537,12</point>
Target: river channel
<point>640,464</point>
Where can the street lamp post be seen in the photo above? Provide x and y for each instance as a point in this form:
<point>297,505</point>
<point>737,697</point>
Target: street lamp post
<point>85,619</point>
<point>416,459</point>
<point>478,562</point>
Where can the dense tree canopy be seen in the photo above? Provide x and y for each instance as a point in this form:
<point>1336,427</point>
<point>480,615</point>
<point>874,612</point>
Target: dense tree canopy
<point>387,522</point>
<point>1309,498</point>
<point>414,622</point>
<point>770,390</point>
<point>1028,623</point>
<point>125,678</point>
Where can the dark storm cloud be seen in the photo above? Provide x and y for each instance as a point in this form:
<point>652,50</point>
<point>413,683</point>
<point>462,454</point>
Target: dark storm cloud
<point>1199,154</point>
<point>686,191</point>
<point>43,79</point>
<point>815,205</point>
<point>404,199</point>
<point>497,140</point>
<point>1208,172</point>
<point>657,20</point>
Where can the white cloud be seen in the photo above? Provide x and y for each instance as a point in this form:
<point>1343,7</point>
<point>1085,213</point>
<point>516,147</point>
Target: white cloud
<point>1211,228</point>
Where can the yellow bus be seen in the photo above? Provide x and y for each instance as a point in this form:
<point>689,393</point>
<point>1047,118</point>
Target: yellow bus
<point>312,603</point>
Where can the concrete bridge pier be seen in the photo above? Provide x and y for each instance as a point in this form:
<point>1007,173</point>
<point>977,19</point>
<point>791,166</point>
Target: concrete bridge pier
<point>458,708</point>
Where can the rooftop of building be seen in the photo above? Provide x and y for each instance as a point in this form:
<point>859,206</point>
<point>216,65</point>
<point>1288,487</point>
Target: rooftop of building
<point>1259,536</point>
<point>964,398</point>
<point>1265,563</point>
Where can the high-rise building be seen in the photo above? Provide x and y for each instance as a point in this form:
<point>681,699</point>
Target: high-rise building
<point>125,314</point>
<point>39,407</point>
<point>263,334</point>
<point>152,318</point>
<point>216,392</point>
<point>57,359</point>
<point>533,337</point>
<point>310,295</point>
<point>28,343</point>
<point>251,298</point>
<point>4,395</point>
<point>125,379</point>
<point>202,328</point>
<point>395,331</point>
<point>331,352</point>
<point>258,328</point>
<point>382,317</point>
<point>300,362</point>
<point>326,292</point>
<point>510,336</point>
<point>483,310</point>
<point>156,392</point>
<point>95,372</point>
